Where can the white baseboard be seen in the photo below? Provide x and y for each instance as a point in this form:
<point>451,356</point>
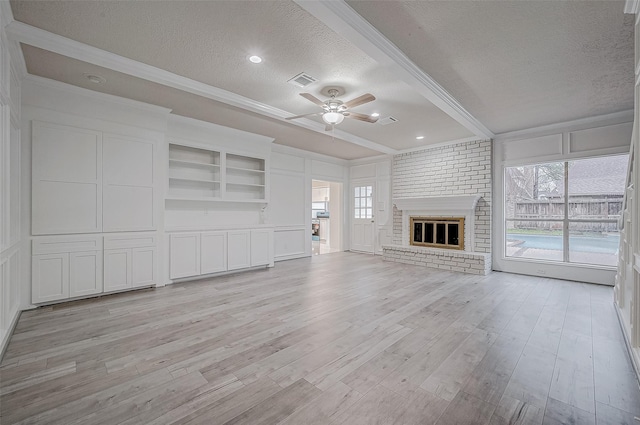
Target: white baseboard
<point>633,355</point>
<point>5,339</point>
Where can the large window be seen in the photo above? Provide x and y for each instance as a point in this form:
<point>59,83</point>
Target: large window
<point>565,211</point>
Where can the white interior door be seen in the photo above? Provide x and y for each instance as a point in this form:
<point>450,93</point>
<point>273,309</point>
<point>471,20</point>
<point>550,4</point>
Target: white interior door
<point>362,218</point>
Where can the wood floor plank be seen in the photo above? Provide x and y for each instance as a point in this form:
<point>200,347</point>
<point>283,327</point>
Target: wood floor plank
<point>343,338</point>
<point>559,413</point>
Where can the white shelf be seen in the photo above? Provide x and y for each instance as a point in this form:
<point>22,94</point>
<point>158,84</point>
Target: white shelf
<point>195,180</point>
<point>245,170</point>
<point>193,163</point>
<point>198,174</point>
<point>244,184</point>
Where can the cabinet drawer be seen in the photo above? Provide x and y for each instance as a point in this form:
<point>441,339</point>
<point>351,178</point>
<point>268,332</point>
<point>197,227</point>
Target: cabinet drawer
<point>56,245</point>
<point>128,241</point>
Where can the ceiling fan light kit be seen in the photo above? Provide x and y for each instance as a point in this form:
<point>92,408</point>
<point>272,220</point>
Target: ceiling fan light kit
<point>335,110</point>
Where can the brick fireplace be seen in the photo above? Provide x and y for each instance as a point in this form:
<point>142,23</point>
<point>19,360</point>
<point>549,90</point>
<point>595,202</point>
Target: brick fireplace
<point>445,183</point>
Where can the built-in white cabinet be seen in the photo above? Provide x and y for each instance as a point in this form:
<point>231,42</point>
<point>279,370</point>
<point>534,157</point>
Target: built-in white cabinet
<point>69,267</point>
<point>66,179</point>
<point>213,252</point>
<point>200,253</point>
<point>66,267</point>
<point>86,181</point>
<point>129,262</point>
<point>200,174</point>
<point>261,247</point>
<point>239,249</point>
<point>185,255</point>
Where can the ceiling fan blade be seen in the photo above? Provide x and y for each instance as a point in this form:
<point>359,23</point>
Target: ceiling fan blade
<point>304,115</point>
<point>365,98</point>
<point>361,117</point>
<point>328,127</point>
<point>312,98</point>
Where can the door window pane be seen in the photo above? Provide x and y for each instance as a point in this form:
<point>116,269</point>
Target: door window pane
<point>363,202</point>
<point>594,243</point>
<point>539,240</point>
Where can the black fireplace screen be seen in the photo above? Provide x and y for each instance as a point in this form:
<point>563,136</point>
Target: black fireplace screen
<point>440,232</point>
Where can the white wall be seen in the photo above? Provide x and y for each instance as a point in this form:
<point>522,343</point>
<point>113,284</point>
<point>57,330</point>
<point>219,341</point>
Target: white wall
<point>11,254</point>
<point>593,137</point>
<point>292,172</point>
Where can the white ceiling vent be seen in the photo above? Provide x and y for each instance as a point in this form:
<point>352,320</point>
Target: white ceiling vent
<point>302,80</point>
<point>387,120</point>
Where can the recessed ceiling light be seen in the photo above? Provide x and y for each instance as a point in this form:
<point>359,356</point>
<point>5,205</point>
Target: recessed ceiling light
<point>419,137</point>
<point>255,59</point>
<point>95,78</point>
<point>375,114</point>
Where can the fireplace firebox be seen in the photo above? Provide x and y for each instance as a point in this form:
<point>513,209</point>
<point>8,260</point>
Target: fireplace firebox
<point>437,232</point>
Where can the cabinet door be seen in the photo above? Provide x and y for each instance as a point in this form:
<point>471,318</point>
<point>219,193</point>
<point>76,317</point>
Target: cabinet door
<point>117,269</point>
<point>50,277</point>
<point>66,179</point>
<point>261,241</point>
<point>238,249</point>
<point>184,255</point>
<point>143,266</point>
<point>129,190</point>
<point>85,273</point>
<point>213,252</point>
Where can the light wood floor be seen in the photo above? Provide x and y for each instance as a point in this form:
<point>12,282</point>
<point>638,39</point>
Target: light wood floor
<point>336,339</point>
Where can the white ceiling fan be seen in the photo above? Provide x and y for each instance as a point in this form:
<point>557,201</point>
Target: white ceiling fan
<point>335,110</point>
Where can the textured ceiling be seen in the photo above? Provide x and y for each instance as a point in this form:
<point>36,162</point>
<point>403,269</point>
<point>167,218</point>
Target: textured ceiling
<point>517,64</point>
<point>61,68</point>
<point>512,64</point>
<point>209,41</point>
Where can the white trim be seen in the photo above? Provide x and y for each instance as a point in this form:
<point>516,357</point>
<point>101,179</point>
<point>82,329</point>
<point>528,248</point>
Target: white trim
<point>21,32</point>
<point>579,124</point>
<point>370,159</point>
<point>218,129</point>
<point>441,144</point>
<point>288,150</point>
<point>341,18</point>
<point>17,59</point>
<point>94,95</point>
<point>454,206</point>
<point>631,6</point>
<point>438,203</point>
<point>10,329</point>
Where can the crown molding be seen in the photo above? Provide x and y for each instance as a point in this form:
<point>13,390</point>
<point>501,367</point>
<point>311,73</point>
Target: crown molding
<point>370,160</point>
<point>632,6</point>
<point>232,133</point>
<point>23,33</point>
<point>579,124</point>
<point>17,58</point>
<point>94,95</point>
<point>345,21</point>
<point>289,150</point>
<point>441,144</point>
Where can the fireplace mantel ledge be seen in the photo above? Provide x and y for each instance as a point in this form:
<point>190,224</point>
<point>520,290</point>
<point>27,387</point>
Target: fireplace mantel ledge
<point>438,203</point>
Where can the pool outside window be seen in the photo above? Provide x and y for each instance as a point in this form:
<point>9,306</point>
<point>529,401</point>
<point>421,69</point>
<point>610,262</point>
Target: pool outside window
<point>565,211</point>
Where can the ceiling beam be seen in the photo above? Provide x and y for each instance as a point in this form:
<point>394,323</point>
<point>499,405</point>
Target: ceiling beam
<point>27,34</point>
<point>341,18</point>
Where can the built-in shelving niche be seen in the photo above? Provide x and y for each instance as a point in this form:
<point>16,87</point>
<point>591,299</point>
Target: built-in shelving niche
<point>197,174</point>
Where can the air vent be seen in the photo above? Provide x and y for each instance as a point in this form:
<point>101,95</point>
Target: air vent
<point>387,120</point>
<point>302,80</point>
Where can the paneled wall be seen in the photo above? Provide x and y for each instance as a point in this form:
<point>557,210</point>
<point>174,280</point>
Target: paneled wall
<point>292,172</point>
<point>627,282</point>
<point>10,241</point>
<point>599,136</point>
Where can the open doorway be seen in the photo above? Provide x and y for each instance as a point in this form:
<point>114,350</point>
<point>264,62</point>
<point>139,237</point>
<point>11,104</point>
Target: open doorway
<point>326,217</point>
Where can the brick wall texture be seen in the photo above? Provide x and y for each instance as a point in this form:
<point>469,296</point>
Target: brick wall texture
<point>459,169</point>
